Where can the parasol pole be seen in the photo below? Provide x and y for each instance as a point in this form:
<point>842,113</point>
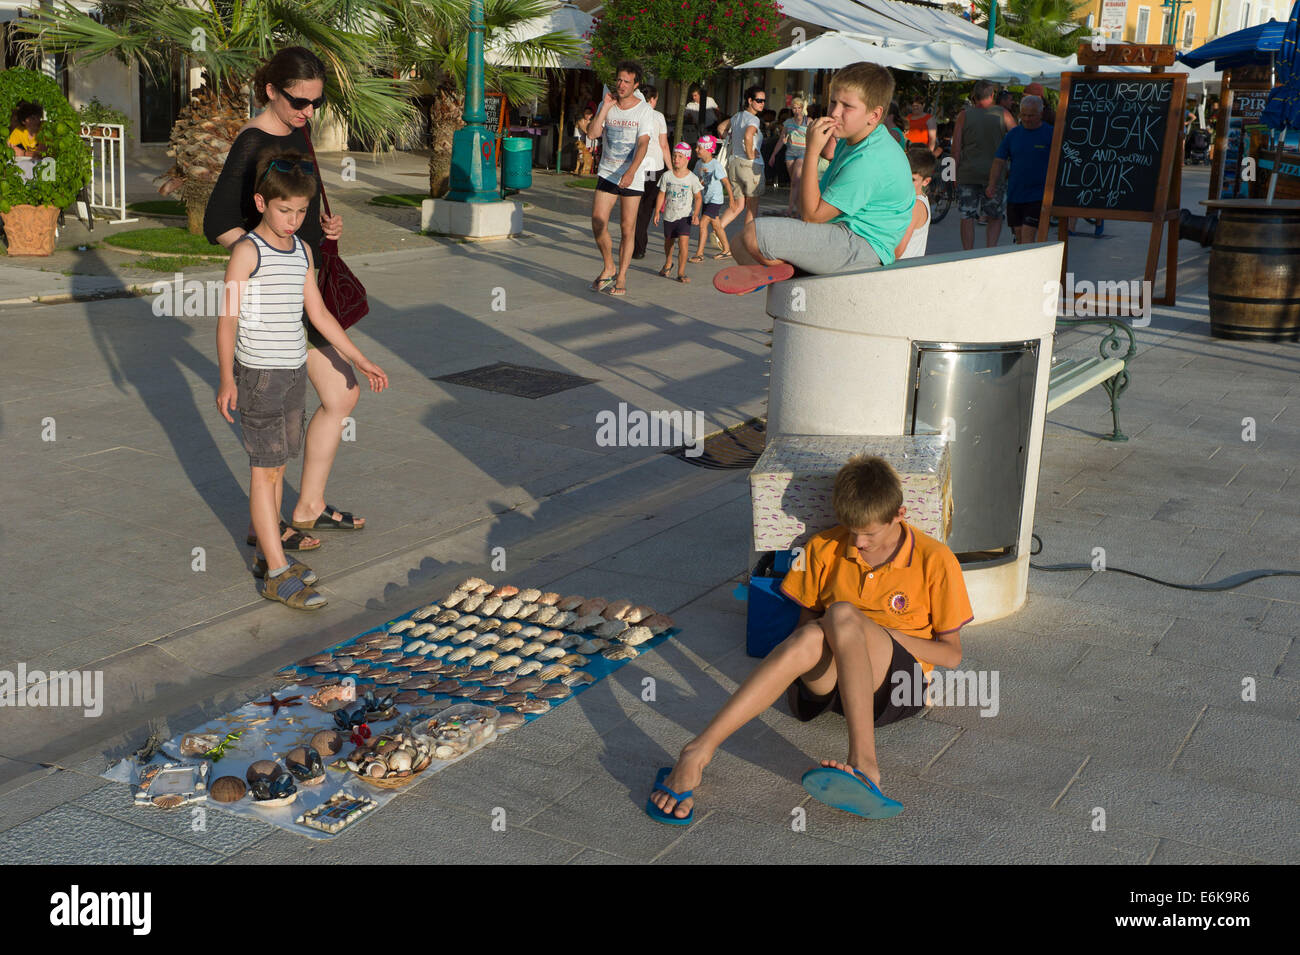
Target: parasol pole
<point>1281,138</point>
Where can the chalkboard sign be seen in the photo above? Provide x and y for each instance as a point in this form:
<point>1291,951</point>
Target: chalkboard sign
<point>1112,142</point>
<point>494,105</point>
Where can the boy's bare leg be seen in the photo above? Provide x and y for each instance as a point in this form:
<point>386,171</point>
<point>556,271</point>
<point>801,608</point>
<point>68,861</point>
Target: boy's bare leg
<point>683,247</point>
<point>601,207</point>
<point>668,257</point>
<point>706,223</point>
<point>332,377</point>
<point>627,206</point>
<point>264,491</point>
<point>862,650</point>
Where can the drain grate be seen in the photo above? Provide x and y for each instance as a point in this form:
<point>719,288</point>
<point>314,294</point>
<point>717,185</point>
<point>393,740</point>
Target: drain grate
<point>735,449</point>
<point>521,381</point>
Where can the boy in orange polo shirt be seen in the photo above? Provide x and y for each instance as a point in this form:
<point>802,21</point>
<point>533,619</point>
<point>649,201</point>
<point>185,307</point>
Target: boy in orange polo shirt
<point>879,596</point>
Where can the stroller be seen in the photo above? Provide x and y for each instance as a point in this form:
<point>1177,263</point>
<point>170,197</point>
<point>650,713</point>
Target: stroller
<point>1197,151</point>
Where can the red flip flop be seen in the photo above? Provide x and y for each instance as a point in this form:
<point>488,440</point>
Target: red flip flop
<point>742,279</point>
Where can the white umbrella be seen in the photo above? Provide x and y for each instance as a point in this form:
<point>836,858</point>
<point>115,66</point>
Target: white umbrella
<point>829,51</point>
<point>943,59</point>
<point>565,18</point>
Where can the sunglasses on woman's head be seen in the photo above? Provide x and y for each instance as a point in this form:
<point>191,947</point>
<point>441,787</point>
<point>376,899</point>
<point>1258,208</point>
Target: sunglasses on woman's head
<point>288,165</point>
<point>301,102</point>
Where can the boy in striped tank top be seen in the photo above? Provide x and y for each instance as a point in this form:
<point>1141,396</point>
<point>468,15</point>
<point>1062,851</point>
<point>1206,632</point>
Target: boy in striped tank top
<point>262,354</point>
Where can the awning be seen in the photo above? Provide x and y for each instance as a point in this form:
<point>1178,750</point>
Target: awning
<point>1251,46</point>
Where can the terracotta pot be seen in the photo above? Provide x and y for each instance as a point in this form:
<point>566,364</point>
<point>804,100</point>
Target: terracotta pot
<point>29,230</point>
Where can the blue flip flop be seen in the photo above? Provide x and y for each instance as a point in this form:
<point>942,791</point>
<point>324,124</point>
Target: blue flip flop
<point>667,818</point>
<point>854,793</point>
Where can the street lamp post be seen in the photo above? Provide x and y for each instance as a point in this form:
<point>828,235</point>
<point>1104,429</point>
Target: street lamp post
<point>473,147</point>
<point>1174,9</point>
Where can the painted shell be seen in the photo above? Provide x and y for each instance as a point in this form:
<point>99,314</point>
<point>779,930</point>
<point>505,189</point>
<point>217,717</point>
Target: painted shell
<point>471,603</point>
<point>554,671</point>
<point>491,623</point>
<point>542,614</point>
<point>447,616</point>
<point>506,644</point>
<point>484,640</point>
<point>527,667</point>
<point>428,610</point>
<point>524,684</point>
<point>446,686</point>
<point>507,662</point>
<point>562,620</point>
<point>483,657</point>
<point>577,678</point>
<point>533,706</point>
<point>592,606</point>
<point>511,699</point>
<point>658,623</point>
<point>616,610</point>
<point>635,636</point>
<point>594,645</point>
<point>470,584</point>
<point>401,626</point>
<point>463,636</point>
<point>550,636</point>
<point>550,598</point>
<point>509,627</point>
<point>611,628</point>
<point>556,691</point>
<point>570,603</point>
<point>621,652</point>
<point>528,649</point>
<point>461,653</point>
<point>490,605</point>
<point>455,598</point>
<point>574,660</point>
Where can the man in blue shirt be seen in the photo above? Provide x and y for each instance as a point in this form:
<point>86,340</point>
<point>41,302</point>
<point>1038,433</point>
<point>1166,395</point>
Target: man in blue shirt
<point>1028,147</point>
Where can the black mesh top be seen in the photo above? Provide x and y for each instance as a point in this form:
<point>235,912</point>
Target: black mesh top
<point>231,205</point>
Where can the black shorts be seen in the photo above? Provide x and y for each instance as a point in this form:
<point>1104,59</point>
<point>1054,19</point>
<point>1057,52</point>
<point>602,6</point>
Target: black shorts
<point>806,706</point>
<point>711,210</point>
<point>1024,214</point>
<point>677,228</point>
<point>604,185</point>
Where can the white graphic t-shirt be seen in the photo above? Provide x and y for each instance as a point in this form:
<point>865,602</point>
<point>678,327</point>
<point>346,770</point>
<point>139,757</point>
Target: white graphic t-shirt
<point>679,194</point>
<point>623,127</point>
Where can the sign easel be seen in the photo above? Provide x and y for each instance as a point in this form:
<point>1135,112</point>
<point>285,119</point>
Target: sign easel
<point>1241,101</point>
<point>494,107</point>
<point>1117,151</point>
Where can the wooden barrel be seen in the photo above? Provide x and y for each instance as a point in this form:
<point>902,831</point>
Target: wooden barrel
<point>1255,270</point>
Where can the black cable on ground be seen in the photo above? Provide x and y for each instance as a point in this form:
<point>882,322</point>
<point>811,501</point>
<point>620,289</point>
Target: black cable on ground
<point>1228,583</point>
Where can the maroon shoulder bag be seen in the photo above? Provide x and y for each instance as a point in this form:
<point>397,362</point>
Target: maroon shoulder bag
<point>342,291</point>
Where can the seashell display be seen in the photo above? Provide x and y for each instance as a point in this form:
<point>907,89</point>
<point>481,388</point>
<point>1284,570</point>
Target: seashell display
<point>524,684</point>
<point>328,743</point>
<point>556,691</point>
<point>400,761</point>
<point>577,678</point>
<point>472,602</point>
<point>589,622</point>
<point>637,614</point>
<point>484,640</point>
<point>512,699</point>
<point>401,627</point>
<point>510,608</point>
<point>550,598</point>
<point>543,613</point>
<point>529,595</point>
<point>424,629</point>
<point>611,628</point>
<point>408,696</point>
<point>509,627</point>
<point>527,610</point>
<point>491,623</point>
<point>554,670</point>
<point>505,591</point>
<point>425,612</point>
<point>461,637</point>
<point>528,649</point>
<point>455,598</point>
<point>471,584</point>
<point>570,603</point>
<point>447,616</point>
<point>635,636</point>
<point>551,653</point>
<point>506,644</point>
<point>531,631</point>
<point>527,667</point>
<point>550,636</point>
<point>491,605</point>
<point>620,652</point>
<point>533,706</point>
<point>441,650</point>
<point>484,589</point>
<point>483,657</point>
<point>592,606</point>
<point>574,660</point>
<point>316,660</point>
<point>446,686</point>
<point>658,623</point>
<point>227,789</point>
<point>462,653</point>
<point>508,721</point>
<point>616,609</point>
<point>497,679</point>
<point>415,646</point>
<point>488,694</point>
<point>468,620</point>
<point>428,666</point>
<point>507,662</point>
<point>562,620</point>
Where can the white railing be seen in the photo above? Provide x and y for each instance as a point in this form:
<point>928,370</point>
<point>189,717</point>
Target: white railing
<point>107,168</point>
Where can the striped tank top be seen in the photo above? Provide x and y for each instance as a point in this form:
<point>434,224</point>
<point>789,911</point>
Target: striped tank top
<point>270,333</point>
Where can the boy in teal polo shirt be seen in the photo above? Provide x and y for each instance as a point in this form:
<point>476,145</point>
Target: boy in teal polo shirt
<point>856,214</point>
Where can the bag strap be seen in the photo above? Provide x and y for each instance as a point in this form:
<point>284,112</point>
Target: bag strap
<point>306,131</point>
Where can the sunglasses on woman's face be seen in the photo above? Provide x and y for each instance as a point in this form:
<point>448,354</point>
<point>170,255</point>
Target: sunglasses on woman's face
<point>301,102</point>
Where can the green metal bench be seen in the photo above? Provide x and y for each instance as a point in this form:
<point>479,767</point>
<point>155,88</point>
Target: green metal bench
<point>1071,377</point>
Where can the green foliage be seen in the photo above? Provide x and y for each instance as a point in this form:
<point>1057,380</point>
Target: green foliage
<point>400,199</point>
<point>683,40</point>
<point>96,112</point>
<point>171,239</point>
<point>1043,24</point>
<point>66,168</point>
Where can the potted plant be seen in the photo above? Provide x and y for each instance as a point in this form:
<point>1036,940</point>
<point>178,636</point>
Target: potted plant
<point>30,207</point>
<point>100,118</point>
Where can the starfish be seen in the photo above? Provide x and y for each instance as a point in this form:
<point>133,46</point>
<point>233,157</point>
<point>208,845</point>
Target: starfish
<point>259,721</point>
<point>275,704</point>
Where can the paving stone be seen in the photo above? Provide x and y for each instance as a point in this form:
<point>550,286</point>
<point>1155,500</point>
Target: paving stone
<point>70,835</point>
<point>1249,751</point>
<point>1016,772</point>
<point>219,831</point>
<point>1252,651</point>
<point>1173,852</point>
<point>721,837</point>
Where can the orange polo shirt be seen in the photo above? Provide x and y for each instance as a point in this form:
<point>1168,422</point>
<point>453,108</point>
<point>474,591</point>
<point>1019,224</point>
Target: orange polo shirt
<point>920,592</point>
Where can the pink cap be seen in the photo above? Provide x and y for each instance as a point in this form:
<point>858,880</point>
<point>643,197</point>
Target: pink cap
<point>682,148</point>
<point>709,142</point>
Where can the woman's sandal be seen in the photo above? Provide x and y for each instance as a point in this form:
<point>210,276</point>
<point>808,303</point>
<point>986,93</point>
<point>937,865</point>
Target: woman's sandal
<point>696,258</point>
<point>724,254</point>
<point>618,290</point>
<point>291,590</point>
<point>344,522</point>
<point>663,273</point>
<point>602,283</point>
<point>260,568</point>
<point>292,542</point>
<point>684,279</point>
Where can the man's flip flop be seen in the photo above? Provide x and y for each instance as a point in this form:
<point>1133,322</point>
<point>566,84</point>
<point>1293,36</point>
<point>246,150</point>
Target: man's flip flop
<point>854,793</point>
<point>602,285</point>
<point>742,279</point>
<point>667,818</point>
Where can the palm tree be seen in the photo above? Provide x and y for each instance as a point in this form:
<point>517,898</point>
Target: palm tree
<point>228,40</point>
<point>1047,25</point>
<point>432,36</point>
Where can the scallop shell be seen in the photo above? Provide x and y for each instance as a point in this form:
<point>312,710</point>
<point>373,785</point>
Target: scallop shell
<point>428,666</point>
<point>509,627</point>
<point>401,626</point>
<point>423,629</point>
<point>491,623</point>
<point>415,646</point>
<point>470,584</point>
<point>462,653</point>
<point>637,614</point>
<point>594,645</point>
<point>332,667</point>
<point>316,660</point>
<point>528,649</point>
<point>590,622</point>
<point>456,673</point>
<point>508,721</point>
<point>483,657</point>
<point>390,643</point>
<point>447,616</point>
<point>455,598</point>
<point>551,653</point>
<point>550,598</point>
<point>444,633</point>
<point>489,694</point>
<point>562,619</point>
<point>530,632</point>
<point>511,699</point>
<point>577,678</point>
<point>472,602</point>
<point>542,614</point>
<point>594,605</point>
<point>529,595</point>
<point>657,623</point>
<point>620,652</point>
<point>490,605</point>
<point>527,610</point>
<point>392,656</point>
<point>463,636</point>
<point>524,684</point>
<point>506,644</point>
<point>570,603</point>
<point>485,640</point>
<point>408,696</point>
<point>507,662</point>
<point>497,679</point>
<point>527,667</point>
<point>550,636</point>
<point>505,591</point>
<point>484,589</point>
<point>468,620</point>
<point>418,683</point>
<point>391,679</point>
<point>611,628</point>
<point>428,610</point>
<point>228,789</point>
<point>556,691</point>
<point>554,670</point>
<point>574,660</point>
<point>441,650</point>
<point>510,608</point>
<point>569,641</point>
<point>616,610</point>
<point>635,636</point>
<point>446,686</point>
<point>533,706</point>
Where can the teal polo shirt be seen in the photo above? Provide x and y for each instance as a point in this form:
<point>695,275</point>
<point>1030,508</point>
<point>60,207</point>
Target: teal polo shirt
<point>871,185</point>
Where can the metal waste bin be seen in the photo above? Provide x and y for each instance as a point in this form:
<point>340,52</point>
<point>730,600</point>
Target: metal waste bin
<point>517,162</point>
<point>981,397</point>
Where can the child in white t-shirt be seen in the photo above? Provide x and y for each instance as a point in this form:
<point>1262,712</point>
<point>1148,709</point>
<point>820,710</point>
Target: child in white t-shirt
<point>917,236</point>
<point>680,196</point>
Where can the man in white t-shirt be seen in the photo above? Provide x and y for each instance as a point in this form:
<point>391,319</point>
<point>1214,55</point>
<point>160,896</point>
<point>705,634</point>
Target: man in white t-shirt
<point>625,127</point>
<point>658,157</point>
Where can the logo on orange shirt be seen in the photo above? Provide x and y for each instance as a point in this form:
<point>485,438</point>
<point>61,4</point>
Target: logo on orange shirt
<point>898,602</point>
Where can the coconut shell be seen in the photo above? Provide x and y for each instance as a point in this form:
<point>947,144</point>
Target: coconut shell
<point>228,789</point>
<point>264,768</point>
<point>328,743</point>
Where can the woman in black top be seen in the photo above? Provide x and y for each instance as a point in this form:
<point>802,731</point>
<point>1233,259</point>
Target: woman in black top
<point>291,85</point>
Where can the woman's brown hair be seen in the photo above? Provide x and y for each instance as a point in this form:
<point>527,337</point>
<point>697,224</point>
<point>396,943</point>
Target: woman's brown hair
<point>291,65</point>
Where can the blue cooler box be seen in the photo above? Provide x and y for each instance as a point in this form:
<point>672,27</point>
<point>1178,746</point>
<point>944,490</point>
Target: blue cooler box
<point>771,615</point>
